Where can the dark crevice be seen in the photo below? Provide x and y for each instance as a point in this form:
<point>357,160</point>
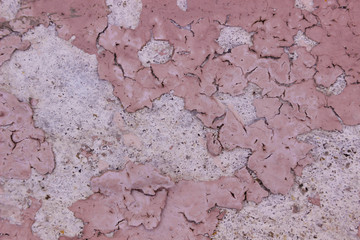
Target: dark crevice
<point>256,179</point>
<point>118,64</point>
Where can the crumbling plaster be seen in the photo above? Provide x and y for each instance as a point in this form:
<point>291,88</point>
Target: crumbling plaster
<point>215,96</point>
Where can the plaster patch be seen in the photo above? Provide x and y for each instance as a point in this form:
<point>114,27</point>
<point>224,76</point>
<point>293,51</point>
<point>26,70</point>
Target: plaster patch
<point>307,5</point>
<point>303,41</point>
<point>10,208</point>
<point>155,52</point>
<point>167,136</point>
<point>231,37</point>
<point>336,88</point>
<point>9,8</point>
<point>182,4</point>
<point>124,13</point>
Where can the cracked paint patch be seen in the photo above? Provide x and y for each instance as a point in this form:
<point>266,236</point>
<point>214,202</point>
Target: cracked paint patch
<point>9,44</point>
<point>22,145</point>
<point>72,18</point>
<point>151,201</point>
<point>10,38</point>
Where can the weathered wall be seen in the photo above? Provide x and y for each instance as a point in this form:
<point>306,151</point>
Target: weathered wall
<point>225,103</point>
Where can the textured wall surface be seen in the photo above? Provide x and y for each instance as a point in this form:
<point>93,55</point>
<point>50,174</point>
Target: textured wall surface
<point>187,119</point>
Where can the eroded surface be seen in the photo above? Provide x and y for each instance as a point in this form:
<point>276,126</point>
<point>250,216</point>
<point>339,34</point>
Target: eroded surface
<point>238,84</point>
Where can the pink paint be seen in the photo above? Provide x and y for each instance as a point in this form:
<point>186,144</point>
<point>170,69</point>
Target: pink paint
<point>137,199</point>
<point>9,44</point>
<point>213,144</point>
<point>84,20</point>
<point>347,104</point>
<point>315,200</point>
<point>22,145</point>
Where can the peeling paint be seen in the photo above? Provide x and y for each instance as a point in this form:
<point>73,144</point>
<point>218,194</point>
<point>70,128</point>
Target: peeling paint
<point>212,97</point>
<point>22,145</point>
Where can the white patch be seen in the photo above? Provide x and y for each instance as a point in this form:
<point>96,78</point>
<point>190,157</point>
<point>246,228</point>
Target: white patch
<point>182,4</point>
<point>155,51</point>
<point>9,8</point>
<point>307,5</point>
<point>124,13</point>
<point>303,41</point>
<point>336,88</point>
<point>174,141</point>
<point>231,37</point>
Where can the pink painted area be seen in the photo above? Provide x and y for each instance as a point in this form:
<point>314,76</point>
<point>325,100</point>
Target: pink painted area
<point>302,67</point>
<point>9,231</point>
<point>312,104</point>
<point>213,144</point>
<point>315,200</point>
<point>84,20</point>
<point>139,203</point>
<point>9,44</point>
<point>347,104</point>
<point>22,145</point>
<point>338,46</point>
<point>275,150</point>
<point>142,193</point>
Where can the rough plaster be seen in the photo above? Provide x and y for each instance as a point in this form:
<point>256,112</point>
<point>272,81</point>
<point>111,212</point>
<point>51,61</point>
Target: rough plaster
<point>237,90</point>
<point>124,13</point>
<point>9,8</point>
